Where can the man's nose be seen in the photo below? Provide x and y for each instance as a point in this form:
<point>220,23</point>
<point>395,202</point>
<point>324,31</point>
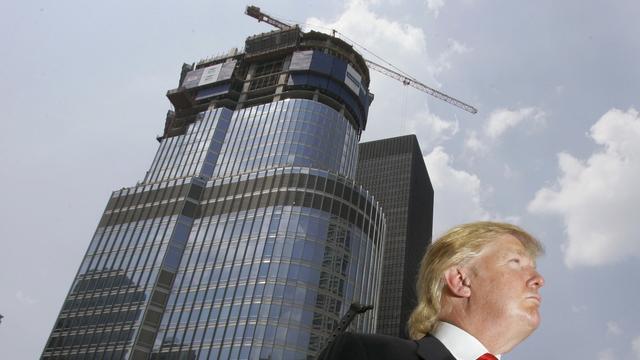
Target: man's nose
<point>536,281</point>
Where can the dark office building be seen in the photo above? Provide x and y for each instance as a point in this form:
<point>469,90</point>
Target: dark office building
<point>393,170</point>
<point>248,237</point>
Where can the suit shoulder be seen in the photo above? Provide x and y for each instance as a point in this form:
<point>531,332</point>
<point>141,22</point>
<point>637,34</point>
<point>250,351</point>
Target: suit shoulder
<point>385,341</point>
<point>370,346</point>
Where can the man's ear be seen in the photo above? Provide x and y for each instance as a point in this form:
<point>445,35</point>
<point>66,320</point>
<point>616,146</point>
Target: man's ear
<point>458,282</point>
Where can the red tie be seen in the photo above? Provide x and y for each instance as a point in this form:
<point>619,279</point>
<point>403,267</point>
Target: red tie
<point>487,356</point>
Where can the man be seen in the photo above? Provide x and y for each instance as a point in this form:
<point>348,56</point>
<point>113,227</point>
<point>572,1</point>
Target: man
<point>478,297</point>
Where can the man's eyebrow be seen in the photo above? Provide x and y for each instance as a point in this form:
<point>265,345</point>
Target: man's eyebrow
<point>510,252</point>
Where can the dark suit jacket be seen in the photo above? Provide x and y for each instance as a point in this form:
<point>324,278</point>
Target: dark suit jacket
<point>349,346</point>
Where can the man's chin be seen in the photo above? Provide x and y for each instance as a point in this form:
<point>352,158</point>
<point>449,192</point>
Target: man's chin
<point>533,320</point>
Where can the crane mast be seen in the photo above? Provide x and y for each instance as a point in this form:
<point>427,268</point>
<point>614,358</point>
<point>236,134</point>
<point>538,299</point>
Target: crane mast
<point>256,13</point>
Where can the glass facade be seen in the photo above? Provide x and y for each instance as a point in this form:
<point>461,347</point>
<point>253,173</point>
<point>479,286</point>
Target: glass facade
<point>269,281</point>
<point>289,133</point>
<point>248,238</point>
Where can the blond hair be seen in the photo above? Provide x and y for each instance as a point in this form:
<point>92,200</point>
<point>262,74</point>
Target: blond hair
<point>457,246</point>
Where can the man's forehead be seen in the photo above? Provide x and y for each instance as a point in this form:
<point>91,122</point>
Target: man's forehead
<point>507,244</point>
<point>513,247</point>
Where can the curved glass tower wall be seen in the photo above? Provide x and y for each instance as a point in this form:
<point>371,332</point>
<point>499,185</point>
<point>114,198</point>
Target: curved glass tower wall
<point>248,237</point>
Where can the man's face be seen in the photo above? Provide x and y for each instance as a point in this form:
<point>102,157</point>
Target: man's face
<point>504,288</point>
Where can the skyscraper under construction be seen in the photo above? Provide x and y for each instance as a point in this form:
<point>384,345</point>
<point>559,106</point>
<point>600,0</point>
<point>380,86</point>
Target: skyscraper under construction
<point>247,237</point>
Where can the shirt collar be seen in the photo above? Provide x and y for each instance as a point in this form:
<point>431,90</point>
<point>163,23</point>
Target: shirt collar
<point>461,344</point>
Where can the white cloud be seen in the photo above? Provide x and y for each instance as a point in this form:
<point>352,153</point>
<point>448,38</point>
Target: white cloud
<point>606,354</point>
<point>501,120</point>
<point>434,6</point>
<point>597,198</point>
<point>431,129</point>
<point>457,192</point>
<point>443,61</point>
<point>473,143</point>
<point>635,346</point>
<point>373,31</point>
<point>24,298</point>
<point>497,124</point>
<point>613,328</point>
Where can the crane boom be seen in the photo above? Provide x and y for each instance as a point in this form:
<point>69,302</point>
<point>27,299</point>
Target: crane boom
<point>256,13</point>
<point>420,86</point>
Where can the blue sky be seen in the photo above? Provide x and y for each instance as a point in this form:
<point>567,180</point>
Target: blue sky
<point>555,146</point>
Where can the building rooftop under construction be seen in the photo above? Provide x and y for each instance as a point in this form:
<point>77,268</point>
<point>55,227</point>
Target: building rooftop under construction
<point>275,65</point>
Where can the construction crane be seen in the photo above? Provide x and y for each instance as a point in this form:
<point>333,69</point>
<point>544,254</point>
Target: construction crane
<point>256,13</point>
